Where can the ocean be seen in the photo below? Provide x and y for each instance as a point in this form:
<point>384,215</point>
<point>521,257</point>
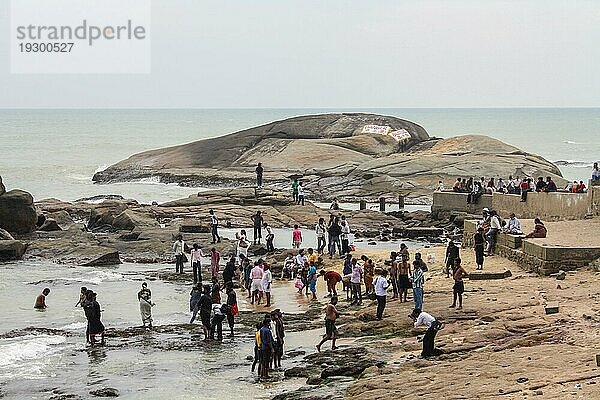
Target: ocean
<point>55,152</point>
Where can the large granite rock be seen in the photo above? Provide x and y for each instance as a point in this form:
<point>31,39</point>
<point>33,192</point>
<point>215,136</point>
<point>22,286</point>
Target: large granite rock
<point>17,212</point>
<point>11,250</point>
<point>334,158</point>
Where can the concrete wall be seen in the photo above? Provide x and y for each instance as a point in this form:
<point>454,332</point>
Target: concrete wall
<point>547,206</point>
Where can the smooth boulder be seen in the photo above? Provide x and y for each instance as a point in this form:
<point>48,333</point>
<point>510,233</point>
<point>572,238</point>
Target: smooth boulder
<point>17,212</point>
<point>11,250</point>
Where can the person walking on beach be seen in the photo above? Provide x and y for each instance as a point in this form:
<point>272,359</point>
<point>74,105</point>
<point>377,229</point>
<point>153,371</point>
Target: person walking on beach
<point>266,281</point>
<point>232,306</point>
<point>215,261</point>
<point>331,332</point>
<point>295,191</point>
<point>259,175</point>
<point>179,251</point>
<point>355,279</point>
<point>300,194</point>
<point>145,300</point>
<point>257,221</point>
<point>242,245</point>
<point>320,231</point>
<point>266,339</point>
<point>331,278</point>
<point>381,285</point>
<point>93,315</point>
<point>418,280</point>
<point>269,237</point>
<point>40,301</point>
<point>479,241</point>
<point>459,285</point>
<point>214,227</point>
<point>296,237</point>
<point>256,275</point>
<point>452,253</point>
<point>196,260</point>
<point>421,318</point>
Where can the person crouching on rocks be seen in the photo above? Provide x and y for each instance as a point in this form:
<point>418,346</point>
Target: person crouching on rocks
<point>421,318</point>
<point>331,278</point>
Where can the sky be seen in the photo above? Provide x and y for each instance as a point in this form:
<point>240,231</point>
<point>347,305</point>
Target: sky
<point>342,53</point>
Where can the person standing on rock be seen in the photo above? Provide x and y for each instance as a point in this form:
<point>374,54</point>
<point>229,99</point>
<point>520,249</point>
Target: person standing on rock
<point>421,318</point>
<point>257,221</point>
<point>452,253</point>
<point>242,245</point>
<point>492,233</point>
<point>295,191</point>
<point>205,310</point>
<point>331,332</point>
<point>277,319</point>
<point>312,280</point>
<point>269,238</point>
<point>394,273</point>
<point>259,175</point>
<point>296,237</point>
<point>196,260</point>
<point>215,262</point>
<point>417,285</point>
<point>266,348</point>
<point>381,285</point>
<point>214,227</point>
<point>233,309</point>
<point>82,293</point>
<point>217,320</point>
<point>345,236</point>
<point>228,272</point>
<point>346,275</point>
<point>403,276</point>
<point>355,279</point>
<point>300,200</point>
<point>320,231</point>
<point>40,301</point>
<point>266,281</point>
<point>459,286</point>
<point>256,275</point>
<point>179,251</point>
<point>479,244</point>
<point>195,296</point>
<point>145,300</point>
<point>334,231</point>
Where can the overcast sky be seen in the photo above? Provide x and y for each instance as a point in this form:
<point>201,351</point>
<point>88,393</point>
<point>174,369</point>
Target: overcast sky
<point>343,53</point>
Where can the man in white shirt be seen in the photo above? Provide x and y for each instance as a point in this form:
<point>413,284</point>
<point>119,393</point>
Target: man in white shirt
<point>266,284</point>
<point>492,232</point>
<point>381,285</point>
<point>178,250</point>
<point>300,194</point>
<point>421,318</point>
<point>513,226</point>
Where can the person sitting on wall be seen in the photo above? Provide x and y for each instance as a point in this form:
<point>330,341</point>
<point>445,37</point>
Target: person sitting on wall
<point>456,186</point>
<point>595,173</point>
<point>540,185</point>
<point>550,186</point>
<point>581,187</point>
<point>539,231</point>
<point>475,195</point>
<point>513,227</point>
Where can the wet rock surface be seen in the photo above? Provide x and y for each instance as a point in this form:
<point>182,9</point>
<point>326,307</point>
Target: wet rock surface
<point>17,212</point>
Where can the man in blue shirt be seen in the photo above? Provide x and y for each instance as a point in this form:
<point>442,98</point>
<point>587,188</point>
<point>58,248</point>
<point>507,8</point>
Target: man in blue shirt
<point>266,348</point>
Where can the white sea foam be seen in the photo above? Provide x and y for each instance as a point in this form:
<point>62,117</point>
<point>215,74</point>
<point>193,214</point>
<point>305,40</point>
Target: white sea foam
<point>75,326</point>
<point>101,168</point>
<point>152,180</point>
<point>28,356</point>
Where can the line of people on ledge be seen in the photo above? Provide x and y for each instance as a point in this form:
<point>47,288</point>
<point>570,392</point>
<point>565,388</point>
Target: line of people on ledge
<point>475,188</point>
<point>491,225</point>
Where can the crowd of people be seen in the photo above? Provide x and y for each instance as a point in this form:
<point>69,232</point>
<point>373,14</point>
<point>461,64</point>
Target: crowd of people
<point>475,188</point>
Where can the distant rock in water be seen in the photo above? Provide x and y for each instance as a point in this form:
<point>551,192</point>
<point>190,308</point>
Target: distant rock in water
<point>348,156</point>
